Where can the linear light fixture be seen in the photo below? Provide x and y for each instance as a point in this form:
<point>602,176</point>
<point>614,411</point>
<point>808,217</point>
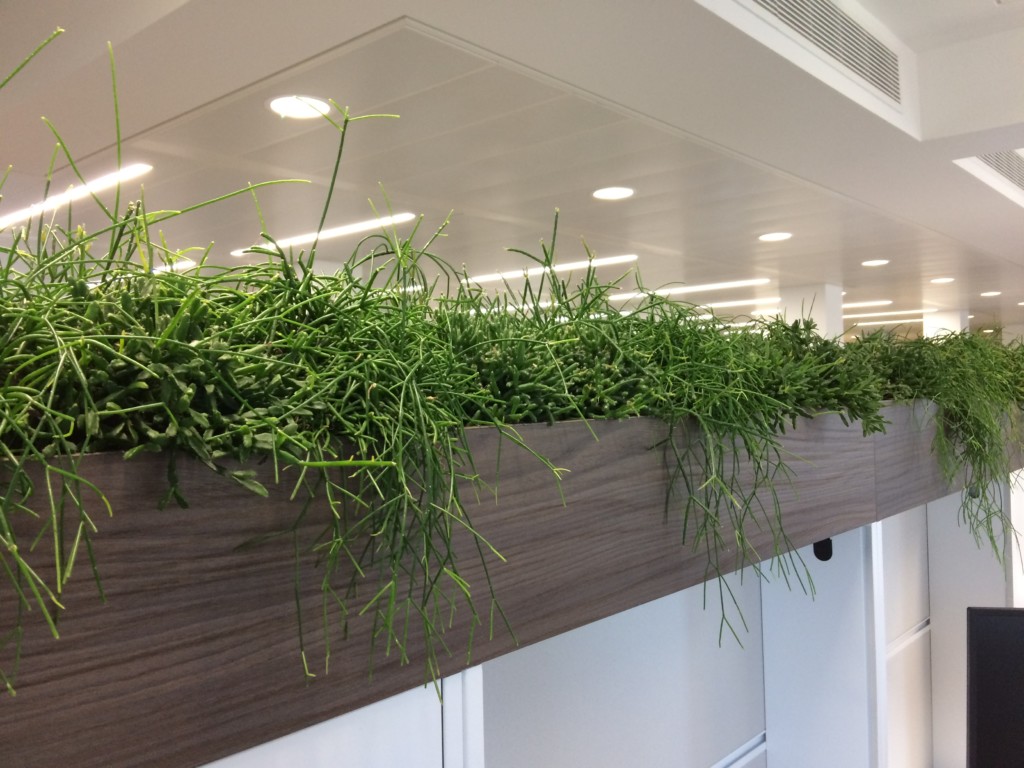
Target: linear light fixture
<point>866,304</point>
<point>344,229</point>
<point>299,107</point>
<point>893,313</point>
<point>942,280</point>
<point>742,303</point>
<point>898,321</point>
<point>613,193</point>
<point>684,289</point>
<point>567,266</point>
<point>179,265</point>
<point>874,263</point>
<point>100,184</point>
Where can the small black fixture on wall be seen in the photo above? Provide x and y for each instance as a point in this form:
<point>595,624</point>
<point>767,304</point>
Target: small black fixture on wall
<point>823,550</point>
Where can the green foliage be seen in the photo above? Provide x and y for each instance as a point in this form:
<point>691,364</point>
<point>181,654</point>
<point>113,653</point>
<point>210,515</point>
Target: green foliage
<point>977,385</point>
<point>359,388</point>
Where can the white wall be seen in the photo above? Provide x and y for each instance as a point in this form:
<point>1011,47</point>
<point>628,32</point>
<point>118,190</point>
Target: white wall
<point>649,687</point>
<point>818,663</point>
<point>404,730</point>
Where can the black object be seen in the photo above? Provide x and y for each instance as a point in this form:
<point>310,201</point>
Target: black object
<point>823,550</point>
<point>995,688</point>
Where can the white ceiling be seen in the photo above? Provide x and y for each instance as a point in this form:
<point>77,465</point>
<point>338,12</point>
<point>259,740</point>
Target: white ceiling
<point>509,115</point>
<point>928,24</point>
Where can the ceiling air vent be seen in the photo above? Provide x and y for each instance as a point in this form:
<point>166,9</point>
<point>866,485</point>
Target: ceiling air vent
<point>833,32</point>
<point>1009,165</point>
<point>1003,171</point>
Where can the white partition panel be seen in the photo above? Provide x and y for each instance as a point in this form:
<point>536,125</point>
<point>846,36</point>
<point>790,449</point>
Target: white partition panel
<point>463,719</point>
<point>648,687</point>
<point>905,567</point>
<point>904,590</point>
<point>404,730</point>
<point>909,708</point>
<point>819,662</point>
<point>1015,552</point>
<point>962,574</point>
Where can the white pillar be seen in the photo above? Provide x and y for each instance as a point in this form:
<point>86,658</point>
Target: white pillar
<point>822,302</point>
<point>939,323</point>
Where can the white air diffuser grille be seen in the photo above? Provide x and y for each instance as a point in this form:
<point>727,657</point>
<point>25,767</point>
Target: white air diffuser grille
<point>1009,165</point>
<point>833,32</point>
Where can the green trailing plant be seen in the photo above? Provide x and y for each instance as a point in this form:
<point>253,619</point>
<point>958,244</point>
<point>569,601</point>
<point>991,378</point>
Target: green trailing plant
<point>977,385</point>
<point>358,388</point>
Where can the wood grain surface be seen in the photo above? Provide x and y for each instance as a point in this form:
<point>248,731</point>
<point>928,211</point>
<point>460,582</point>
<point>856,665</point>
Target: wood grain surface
<point>195,653</point>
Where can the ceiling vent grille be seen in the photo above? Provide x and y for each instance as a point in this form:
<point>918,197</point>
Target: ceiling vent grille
<point>833,32</point>
<point>1009,165</point>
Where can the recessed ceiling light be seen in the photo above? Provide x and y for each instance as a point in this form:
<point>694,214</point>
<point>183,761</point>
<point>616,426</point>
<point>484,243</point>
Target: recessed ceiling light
<point>942,280</point>
<point>613,193</point>
<point>626,296</point>
<point>345,229</point>
<point>874,263</point>
<point>567,266</point>
<point>93,187</point>
<point>891,313</point>
<point>775,237</point>
<point>299,107</point>
<point>863,304</point>
<point>988,294</point>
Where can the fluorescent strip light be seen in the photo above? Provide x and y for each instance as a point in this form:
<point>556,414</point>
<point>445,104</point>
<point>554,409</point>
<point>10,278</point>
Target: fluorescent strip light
<point>690,289</point>
<point>178,266</point>
<point>345,229</point>
<point>889,314</point>
<point>774,237</point>
<point>874,263</point>
<point>73,193</point>
<point>900,321</point>
<point>568,266</point>
<point>300,107</point>
<point>613,193</point>
<point>866,304</point>
<point>742,303</point>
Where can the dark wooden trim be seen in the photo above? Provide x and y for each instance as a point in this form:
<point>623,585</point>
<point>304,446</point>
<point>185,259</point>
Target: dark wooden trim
<point>195,655</point>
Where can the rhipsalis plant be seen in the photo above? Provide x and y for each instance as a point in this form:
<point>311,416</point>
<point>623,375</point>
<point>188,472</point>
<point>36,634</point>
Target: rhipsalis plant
<point>359,388</point>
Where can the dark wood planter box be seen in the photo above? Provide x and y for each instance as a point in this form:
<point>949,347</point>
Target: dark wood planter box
<point>195,655</point>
